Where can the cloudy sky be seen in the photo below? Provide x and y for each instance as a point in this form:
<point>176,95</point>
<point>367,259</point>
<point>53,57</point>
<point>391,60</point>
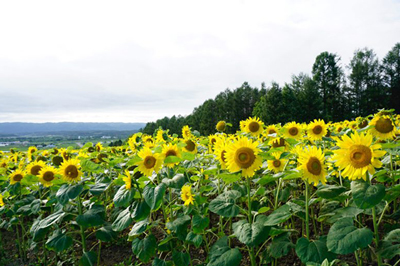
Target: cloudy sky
<point>136,61</point>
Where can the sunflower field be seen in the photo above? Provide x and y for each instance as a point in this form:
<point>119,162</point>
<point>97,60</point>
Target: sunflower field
<point>294,194</point>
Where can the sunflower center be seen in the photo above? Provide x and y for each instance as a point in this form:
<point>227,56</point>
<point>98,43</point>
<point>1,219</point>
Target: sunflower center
<point>276,163</point>
<point>244,157</point>
<point>223,156</point>
<point>384,125</point>
<point>57,160</point>
<point>314,166</point>
<point>271,131</point>
<point>221,126</point>
<point>48,176</point>
<point>213,140</point>
<point>360,156</point>
<point>71,171</point>
<point>190,146</point>
<point>170,153</point>
<point>363,124</point>
<point>278,143</point>
<point>35,169</point>
<point>18,177</point>
<point>317,129</point>
<point>149,162</point>
<point>293,131</point>
<point>254,126</point>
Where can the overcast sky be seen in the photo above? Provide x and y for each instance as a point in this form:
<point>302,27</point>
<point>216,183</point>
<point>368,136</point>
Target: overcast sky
<point>137,61</point>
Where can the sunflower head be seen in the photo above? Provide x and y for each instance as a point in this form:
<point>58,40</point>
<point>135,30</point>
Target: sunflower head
<point>16,176</point>
<point>276,165</point>
<point>293,130</point>
<point>220,152</point>
<point>221,126</point>
<point>148,141</point>
<point>70,170</point>
<point>254,126</point>
<point>190,146</point>
<point>242,154</point>
<point>186,132</point>
<point>35,167</point>
<point>382,127</point>
<point>271,129</point>
<point>317,129</point>
<point>98,146</point>
<point>357,155</point>
<point>312,165</point>
<point>31,151</point>
<point>127,179</point>
<point>186,195</point>
<point>150,162</point>
<point>46,175</point>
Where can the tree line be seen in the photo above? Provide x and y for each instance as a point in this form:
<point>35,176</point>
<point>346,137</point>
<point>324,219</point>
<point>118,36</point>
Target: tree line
<point>328,93</point>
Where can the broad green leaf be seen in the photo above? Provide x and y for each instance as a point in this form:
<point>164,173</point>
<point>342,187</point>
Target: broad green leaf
<point>98,188</point>
<point>330,191</point>
<point>390,246</point>
<point>59,242</point>
<point>106,234</point>
<point>349,211</point>
<point>344,238</point>
<point>144,249</point>
<point>123,196</point>
<point>278,216</point>
<point>222,255</point>
<point>67,192</point>
<point>199,224</point>
<point>195,239</point>
<point>313,251</point>
<point>140,210</point>
<point>176,182</point>
<point>88,259</point>
<point>138,228</point>
<point>225,204</point>
<point>51,219</point>
<point>280,246</point>
<point>172,159</point>
<point>154,195</point>
<point>93,217</point>
<point>251,234</point>
<point>180,226</point>
<point>122,221</point>
<point>365,195</point>
<point>37,232</point>
<point>188,156</point>
<point>180,258</point>
<point>229,178</point>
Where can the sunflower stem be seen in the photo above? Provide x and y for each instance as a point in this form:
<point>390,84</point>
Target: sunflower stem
<point>378,256</point>
<point>277,193</point>
<point>250,217</point>
<point>307,215</point>
<point>81,227</point>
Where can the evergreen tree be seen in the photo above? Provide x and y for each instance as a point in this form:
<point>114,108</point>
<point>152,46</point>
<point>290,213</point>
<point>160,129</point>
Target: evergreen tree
<point>391,76</point>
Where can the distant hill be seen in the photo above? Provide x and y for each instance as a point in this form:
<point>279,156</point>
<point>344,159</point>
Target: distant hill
<point>18,128</point>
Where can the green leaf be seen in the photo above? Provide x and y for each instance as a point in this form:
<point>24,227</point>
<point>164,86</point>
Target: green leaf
<point>180,226</point>
<point>313,251</point>
<point>59,242</point>
<point>176,182</point>
<point>278,216</point>
<point>390,246</point>
<point>199,223</point>
<point>138,228</point>
<point>365,195</point>
<point>344,238</point>
<point>330,191</point>
<point>280,246</point>
<point>154,195</point>
<point>106,234</point>
<point>144,249</point>
<point>67,192</point>
<point>123,197</point>
<point>98,188</point>
<point>37,232</point>
<point>140,210</point>
<point>51,219</point>
<point>180,259</point>
<point>222,255</point>
<point>89,166</point>
<point>251,234</point>
<point>225,204</point>
<point>349,211</point>
<point>93,217</point>
<point>122,221</point>
<point>172,159</point>
<point>158,262</point>
<point>188,156</point>
<point>194,239</point>
<point>229,178</point>
<point>88,259</point>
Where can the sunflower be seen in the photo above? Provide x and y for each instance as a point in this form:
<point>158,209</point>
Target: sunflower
<point>271,129</point>
<point>221,126</point>
<point>16,176</point>
<point>127,179</point>
<point>317,129</point>
<point>31,151</point>
<point>98,146</point>
<point>186,195</point>
<point>46,175</point>
<point>35,167</point>
<point>65,154</point>
<point>277,164</point>
<point>357,155</point>
<point>220,152</point>
<point>148,141</point>
<point>212,139</point>
<point>279,142</point>
<point>190,146</point>
<point>242,154</point>
<point>186,133</point>
<point>382,127</point>
<point>70,170</point>
<point>312,165</point>
<point>254,126</point>
<point>293,130</point>
<point>150,162</point>
<point>1,200</point>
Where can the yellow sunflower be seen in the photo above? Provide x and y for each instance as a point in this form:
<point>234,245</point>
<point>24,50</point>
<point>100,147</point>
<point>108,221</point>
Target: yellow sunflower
<point>212,139</point>
<point>150,162</point>
<point>186,133</point>
<point>16,176</point>
<point>220,152</point>
<point>98,146</point>
<point>293,130</point>
<point>221,126</point>
<point>1,200</point>
<point>148,141</point>
<point>277,164</point>
<point>317,129</point>
<point>186,195</point>
<point>46,175</point>
<point>190,146</point>
<point>254,126</point>
<point>242,154</point>
<point>357,155</point>
<point>35,167</point>
<point>382,127</point>
<point>279,142</point>
<point>312,165</point>
<point>31,151</point>
<point>127,179</point>
<point>271,129</point>
<point>70,170</point>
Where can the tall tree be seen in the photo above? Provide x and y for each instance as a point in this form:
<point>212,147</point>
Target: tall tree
<point>391,76</point>
<point>328,76</point>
